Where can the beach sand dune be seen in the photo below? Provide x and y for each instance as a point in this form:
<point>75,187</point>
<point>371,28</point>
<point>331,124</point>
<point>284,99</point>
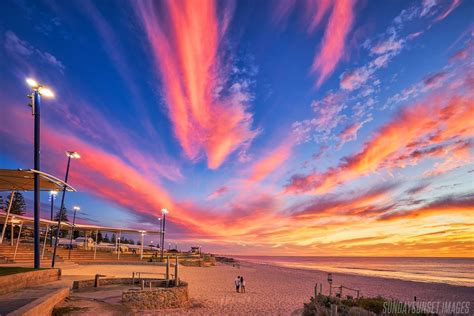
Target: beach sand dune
<point>275,290</point>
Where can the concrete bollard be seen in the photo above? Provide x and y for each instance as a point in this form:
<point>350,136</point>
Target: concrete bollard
<point>96,280</point>
<point>333,310</point>
<point>143,285</point>
<point>176,272</point>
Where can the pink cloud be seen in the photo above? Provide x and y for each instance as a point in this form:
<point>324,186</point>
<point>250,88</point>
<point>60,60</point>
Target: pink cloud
<point>334,41</point>
<point>185,38</point>
<point>390,45</point>
<point>217,193</point>
<point>353,80</point>
<point>454,5</point>
<point>350,132</point>
<point>268,164</point>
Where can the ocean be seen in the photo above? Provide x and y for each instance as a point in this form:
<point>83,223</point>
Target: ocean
<point>456,271</point>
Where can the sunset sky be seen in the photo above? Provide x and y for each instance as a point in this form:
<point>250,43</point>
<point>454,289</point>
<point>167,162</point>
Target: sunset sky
<point>314,127</point>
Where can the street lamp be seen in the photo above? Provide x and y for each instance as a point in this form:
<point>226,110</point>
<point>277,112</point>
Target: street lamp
<point>70,155</point>
<point>35,96</point>
<point>163,212</point>
<point>160,224</point>
<point>52,197</point>
<point>76,209</point>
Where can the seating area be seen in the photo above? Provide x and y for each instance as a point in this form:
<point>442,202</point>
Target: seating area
<point>24,255</point>
<point>79,255</point>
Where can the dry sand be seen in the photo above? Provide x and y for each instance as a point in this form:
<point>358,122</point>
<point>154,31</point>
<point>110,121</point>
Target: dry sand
<point>273,290</point>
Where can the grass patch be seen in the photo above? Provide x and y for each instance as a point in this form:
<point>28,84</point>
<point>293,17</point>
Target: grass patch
<point>61,311</point>
<point>14,270</point>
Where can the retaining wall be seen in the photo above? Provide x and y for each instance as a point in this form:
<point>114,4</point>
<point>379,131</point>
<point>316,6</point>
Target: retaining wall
<point>42,306</point>
<point>13,282</point>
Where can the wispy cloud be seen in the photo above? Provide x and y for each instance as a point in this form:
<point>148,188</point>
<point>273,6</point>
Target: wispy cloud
<point>334,41</point>
<point>333,45</point>
<point>22,49</point>
<point>440,117</point>
<point>273,159</point>
<point>185,43</point>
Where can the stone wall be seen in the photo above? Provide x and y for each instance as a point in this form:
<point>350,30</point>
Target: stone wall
<point>13,282</point>
<point>157,298</point>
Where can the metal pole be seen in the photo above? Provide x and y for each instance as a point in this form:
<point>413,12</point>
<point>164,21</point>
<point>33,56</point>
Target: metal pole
<point>51,218</point>
<point>161,230</point>
<point>96,239</point>
<point>141,249</point>
<point>44,241</point>
<point>37,167</point>
<point>72,233</point>
<point>17,241</point>
<point>163,234</point>
<point>6,218</point>
<point>60,210</point>
<point>118,245</point>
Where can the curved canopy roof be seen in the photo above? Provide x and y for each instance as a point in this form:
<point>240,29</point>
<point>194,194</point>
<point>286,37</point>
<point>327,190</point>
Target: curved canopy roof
<point>27,220</point>
<point>23,180</point>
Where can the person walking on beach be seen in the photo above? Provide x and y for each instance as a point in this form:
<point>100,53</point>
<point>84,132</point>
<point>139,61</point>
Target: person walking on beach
<point>242,285</point>
<point>237,284</point>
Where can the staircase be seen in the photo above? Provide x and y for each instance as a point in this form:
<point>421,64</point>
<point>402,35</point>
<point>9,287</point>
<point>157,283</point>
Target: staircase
<point>24,254</point>
<point>79,255</point>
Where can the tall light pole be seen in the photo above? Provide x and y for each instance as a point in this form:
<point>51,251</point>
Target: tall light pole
<point>161,223</point>
<point>163,212</point>
<point>35,96</point>
<point>52,197</point>
<point>76,209</point>
<point>70,155</point>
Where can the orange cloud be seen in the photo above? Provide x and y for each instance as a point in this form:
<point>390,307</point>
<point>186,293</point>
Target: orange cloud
<point>271,162</point>
<point>333,45</point>
<point>185,37</point>
<point>439,118</point>
<point>449,205</point>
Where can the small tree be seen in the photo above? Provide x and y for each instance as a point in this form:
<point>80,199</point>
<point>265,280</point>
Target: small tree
<point>106,238</point>
<point>113,239</point>
<point>18,204</point>
<point>62,214</point>
<point>1,203</point>
<point>99,237</point>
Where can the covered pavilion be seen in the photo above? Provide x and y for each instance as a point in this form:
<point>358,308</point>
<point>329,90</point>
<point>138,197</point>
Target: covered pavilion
<point>14,180</point>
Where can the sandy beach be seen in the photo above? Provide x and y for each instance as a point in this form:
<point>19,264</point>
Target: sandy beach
<point>274,290</point>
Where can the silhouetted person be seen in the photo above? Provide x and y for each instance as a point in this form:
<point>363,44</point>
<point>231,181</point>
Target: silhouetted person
<point>237,284</point>
<point>242,285</point>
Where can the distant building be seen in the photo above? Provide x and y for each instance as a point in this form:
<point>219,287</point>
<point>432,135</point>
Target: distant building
<point>196,250</point>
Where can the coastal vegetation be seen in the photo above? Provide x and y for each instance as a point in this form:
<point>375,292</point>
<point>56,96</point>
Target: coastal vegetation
<point>322,305</point>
